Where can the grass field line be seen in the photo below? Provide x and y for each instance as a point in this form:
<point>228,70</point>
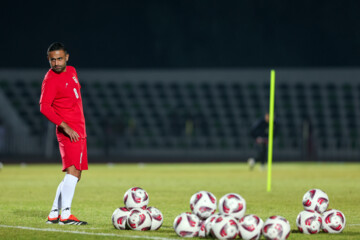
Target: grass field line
<point>86,233</point>
<point>354,224</point>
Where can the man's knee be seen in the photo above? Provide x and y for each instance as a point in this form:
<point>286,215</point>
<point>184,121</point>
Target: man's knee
<point>73,171</point>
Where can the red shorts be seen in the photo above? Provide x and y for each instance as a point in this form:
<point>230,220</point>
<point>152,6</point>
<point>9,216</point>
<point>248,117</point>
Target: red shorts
<point>73,153</point>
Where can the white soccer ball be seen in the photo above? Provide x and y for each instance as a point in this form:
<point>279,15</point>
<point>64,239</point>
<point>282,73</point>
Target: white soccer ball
<point>225,227</point>
<point>208,223</point>
<point>119,218</point>
<point>139,219</point>
<point>157,218</point>
<point>316,200</point>
<point>232,204</point>
<point>205,225</point>
<point>333,221</point>
<point>250,227</point>
<point>203,204</point>
<point>202,232</point>
<point>276,228</point>
<point>136,198</point>
<point>309,222</point>
<point>187,225</point>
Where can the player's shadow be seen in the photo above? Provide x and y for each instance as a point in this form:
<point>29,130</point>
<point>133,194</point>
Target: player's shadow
<point>30,213</point>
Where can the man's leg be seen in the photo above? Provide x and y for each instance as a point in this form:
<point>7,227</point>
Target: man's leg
<point>54,213</point>
<point>68,190</point>
<point>74,158</point>
<point>263,155</point>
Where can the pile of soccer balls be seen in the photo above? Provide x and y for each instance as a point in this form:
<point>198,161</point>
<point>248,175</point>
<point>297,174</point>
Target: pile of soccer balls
<point>136,215</point>
<point>316,216</point>
<point>230,222</point>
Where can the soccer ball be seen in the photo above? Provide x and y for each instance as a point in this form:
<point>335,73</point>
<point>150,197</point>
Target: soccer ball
<point>309,222</point>
<point>225,227</point>
<point>136,198</point>
<point>333,221</point>
<point>316,200</point>
<point>232,204</point>
<point>205,225</point>
<point>202,232</point>
<point>208,223</point>
<point>157,218</point>
<point>119,218</point>
<point>250,227</point>
<point>139,219</point>
<point>187,225</point>
<point>203,204</point>
<point>276,228</point>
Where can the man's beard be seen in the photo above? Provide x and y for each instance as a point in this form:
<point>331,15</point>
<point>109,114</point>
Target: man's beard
<point>59,69</point>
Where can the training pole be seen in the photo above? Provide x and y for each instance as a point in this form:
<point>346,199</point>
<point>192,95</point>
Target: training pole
<point>271,127</point>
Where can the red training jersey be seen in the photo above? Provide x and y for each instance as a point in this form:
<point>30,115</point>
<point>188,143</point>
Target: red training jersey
<point>61,101</point>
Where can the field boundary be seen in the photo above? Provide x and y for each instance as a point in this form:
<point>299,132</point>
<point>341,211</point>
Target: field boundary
<point>87,233</point>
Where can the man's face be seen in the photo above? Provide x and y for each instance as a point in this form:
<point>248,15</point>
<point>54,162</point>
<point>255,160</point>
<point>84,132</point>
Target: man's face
<point>58,60</point>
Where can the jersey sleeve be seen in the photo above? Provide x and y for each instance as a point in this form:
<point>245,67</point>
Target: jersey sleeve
<point>77,77</point>
<point>48,93</point>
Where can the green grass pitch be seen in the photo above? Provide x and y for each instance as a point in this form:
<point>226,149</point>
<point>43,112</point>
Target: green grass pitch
<point>27,192</point>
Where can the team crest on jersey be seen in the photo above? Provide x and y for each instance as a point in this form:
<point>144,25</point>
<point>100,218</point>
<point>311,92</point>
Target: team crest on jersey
<point>75,79</point>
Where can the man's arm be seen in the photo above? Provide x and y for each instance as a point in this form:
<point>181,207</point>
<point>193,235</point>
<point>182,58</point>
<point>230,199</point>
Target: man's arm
<point>255,129</point>
<point>48,93</point>
<point>74,136</point>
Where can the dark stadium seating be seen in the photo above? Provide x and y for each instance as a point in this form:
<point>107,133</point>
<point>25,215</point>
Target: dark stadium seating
<point>192,116</point>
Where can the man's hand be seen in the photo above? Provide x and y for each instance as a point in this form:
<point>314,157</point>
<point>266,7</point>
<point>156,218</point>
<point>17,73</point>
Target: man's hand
<point>74,136</point>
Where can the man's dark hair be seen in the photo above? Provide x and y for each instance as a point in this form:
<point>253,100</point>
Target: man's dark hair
<point>56,46</point>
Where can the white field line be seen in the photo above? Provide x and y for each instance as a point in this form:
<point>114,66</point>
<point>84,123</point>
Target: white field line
<point>87,233</point>
<point>357,224</point>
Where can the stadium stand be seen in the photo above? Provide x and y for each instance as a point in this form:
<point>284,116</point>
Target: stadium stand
<point>204,114</point>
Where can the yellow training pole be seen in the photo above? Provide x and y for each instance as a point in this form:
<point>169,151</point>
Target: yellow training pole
<point>271,127</point>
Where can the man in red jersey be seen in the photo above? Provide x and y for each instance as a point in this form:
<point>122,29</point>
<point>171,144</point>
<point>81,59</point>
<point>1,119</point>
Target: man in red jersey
<point>61,103</point>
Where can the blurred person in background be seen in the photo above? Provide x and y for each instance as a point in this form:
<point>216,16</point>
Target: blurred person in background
<point>61,103</point>
<point>260,132</point>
